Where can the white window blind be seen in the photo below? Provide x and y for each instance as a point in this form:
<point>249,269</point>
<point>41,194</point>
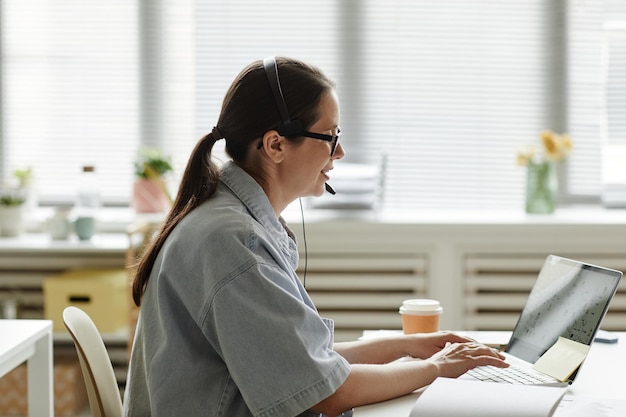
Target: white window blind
<point>70,92</point>
<point>435,86</point>
<point>585,95</point>
<point>447,90</point>
<point>615,82</point>
<point>614,106</point>
<point>454,88</point>
<point>588,92</point>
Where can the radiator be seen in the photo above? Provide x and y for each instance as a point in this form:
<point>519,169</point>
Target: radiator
<point>364,291</point>
<point>497,285</point>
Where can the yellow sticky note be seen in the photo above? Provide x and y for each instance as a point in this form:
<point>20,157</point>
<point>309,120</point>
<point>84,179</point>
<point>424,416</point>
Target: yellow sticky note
<point>562,359</point>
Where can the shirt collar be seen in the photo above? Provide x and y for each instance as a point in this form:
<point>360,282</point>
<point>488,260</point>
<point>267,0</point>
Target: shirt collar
<point>251,194</point>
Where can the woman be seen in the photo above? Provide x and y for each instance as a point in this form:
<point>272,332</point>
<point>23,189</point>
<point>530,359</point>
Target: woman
<point>226,328</point>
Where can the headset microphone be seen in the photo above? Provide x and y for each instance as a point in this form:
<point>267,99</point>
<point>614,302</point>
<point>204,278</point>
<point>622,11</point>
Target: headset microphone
<point>329,189</point>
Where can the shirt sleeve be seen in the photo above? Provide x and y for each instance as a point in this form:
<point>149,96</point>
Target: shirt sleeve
<point>277,348</point>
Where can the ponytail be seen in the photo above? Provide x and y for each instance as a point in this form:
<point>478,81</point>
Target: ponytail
<point>199,182</point>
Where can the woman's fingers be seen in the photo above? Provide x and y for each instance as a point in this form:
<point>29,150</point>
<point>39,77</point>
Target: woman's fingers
<point>457,358</point>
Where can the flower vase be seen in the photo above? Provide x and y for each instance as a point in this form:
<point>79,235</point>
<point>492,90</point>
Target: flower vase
<point>149,196</point>
<point>541,188</point>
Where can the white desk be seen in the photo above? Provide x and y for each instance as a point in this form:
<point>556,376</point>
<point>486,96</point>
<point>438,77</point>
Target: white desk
<point>30,340</point>
<point>601,377</point>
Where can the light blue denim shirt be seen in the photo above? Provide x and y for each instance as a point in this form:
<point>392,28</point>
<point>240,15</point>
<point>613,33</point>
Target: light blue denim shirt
<point>226,328</point>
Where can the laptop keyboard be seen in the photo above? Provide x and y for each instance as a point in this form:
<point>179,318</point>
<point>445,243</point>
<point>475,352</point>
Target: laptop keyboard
<point>511,375</point>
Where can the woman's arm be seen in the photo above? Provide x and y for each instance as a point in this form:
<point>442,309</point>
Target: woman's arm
<point>368,383</point>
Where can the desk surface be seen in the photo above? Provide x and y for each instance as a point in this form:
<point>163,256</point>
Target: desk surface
<point>600,377</point>
<point>18,337</point>
<point>30,340</point>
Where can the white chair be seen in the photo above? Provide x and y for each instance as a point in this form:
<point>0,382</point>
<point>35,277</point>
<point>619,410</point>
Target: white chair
<point>104,396</point>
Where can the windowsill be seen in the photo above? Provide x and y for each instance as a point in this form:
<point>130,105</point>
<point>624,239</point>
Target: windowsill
<point>584,214</point>
<point>110,219</point>
<point>116,220</point>
<point>568,224</point>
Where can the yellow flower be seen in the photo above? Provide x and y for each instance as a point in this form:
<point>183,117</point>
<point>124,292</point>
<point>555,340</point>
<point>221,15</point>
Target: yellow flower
<point>524,156</point>
<point>555,148</point>
<point>550,145</point>
<point>566,144</point>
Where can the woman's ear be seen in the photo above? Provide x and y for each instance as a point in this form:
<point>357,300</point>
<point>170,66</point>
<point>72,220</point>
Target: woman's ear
<point>274,146</point>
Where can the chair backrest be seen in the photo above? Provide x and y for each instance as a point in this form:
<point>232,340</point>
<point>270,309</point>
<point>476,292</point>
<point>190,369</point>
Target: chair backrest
<point>102,390</point>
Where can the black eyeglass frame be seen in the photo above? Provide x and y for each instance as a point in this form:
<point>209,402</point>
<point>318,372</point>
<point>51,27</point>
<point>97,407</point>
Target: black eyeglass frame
<point>333,139</point>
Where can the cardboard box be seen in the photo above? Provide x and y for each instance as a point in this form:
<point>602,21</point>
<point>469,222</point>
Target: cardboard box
<point>102,293</point>
<point>70,394</point>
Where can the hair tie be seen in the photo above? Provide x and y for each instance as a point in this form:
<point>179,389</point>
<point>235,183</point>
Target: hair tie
<point>217,135</point>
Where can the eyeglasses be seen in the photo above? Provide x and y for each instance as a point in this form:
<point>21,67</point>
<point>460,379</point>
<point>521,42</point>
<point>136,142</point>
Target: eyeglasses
<point>333,139</point>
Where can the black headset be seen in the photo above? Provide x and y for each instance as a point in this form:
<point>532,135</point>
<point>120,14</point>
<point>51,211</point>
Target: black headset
<point>288,127</point>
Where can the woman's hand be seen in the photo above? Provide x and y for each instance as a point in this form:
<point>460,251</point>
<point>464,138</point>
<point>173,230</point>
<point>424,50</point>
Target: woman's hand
<point>457,358</point>
<point>424,345</point>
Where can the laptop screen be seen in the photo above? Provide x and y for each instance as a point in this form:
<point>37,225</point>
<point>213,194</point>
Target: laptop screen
<point>568,299</point>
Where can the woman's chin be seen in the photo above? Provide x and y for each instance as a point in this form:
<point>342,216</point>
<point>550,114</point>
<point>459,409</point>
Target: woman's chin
<point>317,192</point>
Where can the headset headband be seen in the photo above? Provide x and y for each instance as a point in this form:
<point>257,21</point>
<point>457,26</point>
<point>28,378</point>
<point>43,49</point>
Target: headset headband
<point>288,127</point>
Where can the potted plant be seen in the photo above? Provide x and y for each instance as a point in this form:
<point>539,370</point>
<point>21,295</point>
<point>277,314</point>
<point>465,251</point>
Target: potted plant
<point>150,194</point>
<point>11,211</point>
<point>24,178</point>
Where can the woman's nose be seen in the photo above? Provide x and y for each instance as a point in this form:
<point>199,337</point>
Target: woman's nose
<point>339,152</point>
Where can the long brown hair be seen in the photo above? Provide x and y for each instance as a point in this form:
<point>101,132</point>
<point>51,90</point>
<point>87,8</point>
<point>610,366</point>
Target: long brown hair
<point>248,111</point>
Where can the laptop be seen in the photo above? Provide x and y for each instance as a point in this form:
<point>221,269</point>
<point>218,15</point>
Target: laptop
<point>568,301</point>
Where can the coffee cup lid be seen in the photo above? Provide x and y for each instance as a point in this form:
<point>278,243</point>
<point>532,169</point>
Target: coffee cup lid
<point>421,306</point>
<point>422,312</point>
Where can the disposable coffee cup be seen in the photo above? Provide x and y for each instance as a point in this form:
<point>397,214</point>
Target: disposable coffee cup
<point>420,315</point>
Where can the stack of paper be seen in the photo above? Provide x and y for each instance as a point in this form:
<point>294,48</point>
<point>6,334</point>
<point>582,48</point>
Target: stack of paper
<point>448,397</point>
<point>358,186</point>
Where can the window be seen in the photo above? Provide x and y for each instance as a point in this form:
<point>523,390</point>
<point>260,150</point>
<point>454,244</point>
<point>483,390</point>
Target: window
<point>70,93</point>
<point>588,93</point>
<point>614,132</point>
<point>447,90</point>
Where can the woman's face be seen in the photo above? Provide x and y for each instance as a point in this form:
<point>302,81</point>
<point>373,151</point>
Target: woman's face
<point>310,163</point>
